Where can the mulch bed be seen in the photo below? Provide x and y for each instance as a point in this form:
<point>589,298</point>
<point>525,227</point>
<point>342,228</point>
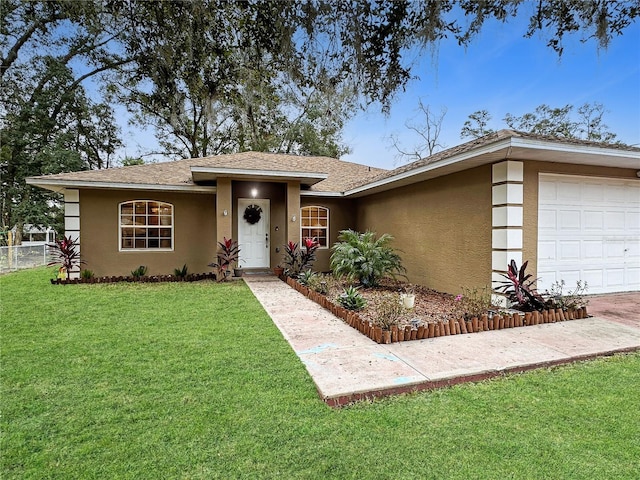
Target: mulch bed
<point>196,277</point>
<point>434,314</point>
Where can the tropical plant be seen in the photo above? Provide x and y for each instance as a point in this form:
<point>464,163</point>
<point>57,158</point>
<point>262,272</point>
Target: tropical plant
<point>298,260</point>
<point>181,272</point>
<point>66,253</point>
<point>227,255</point>
<point>520,288</point>
<point>351,299</point>
<point>557,298</point>
<point>363,258</point>
<point>139,272</point>
<point>307,277</point>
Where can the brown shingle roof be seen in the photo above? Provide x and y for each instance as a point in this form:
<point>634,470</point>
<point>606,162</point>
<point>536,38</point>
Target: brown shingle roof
<point>341,175</point>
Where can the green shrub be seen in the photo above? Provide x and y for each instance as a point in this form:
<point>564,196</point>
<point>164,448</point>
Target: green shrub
<point>141,271</point>
<point>86,274</point>
<point>363,258</point>
<point>351,299</point>
<point>307,277</point>
<point>181,272</point>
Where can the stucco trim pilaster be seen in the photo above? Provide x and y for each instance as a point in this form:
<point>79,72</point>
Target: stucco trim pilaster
<point>224,209</point>
<point>507,199</point>
<point>72,222</point>
<point>293,211</point>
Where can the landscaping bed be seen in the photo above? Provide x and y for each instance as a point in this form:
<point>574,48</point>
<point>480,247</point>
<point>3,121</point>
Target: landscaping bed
<point>435,314</point>
<point>196,277</point>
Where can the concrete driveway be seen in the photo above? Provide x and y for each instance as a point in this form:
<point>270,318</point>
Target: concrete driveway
<point>619,307</point>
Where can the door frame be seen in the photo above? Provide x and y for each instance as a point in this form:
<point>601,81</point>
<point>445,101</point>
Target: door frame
<point>265,204</point>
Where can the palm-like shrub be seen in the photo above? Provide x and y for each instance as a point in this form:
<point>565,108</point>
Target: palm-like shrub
<point>364,258</point>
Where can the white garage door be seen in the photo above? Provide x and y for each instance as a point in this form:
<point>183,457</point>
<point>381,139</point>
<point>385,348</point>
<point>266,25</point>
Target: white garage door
<point>589,229</point>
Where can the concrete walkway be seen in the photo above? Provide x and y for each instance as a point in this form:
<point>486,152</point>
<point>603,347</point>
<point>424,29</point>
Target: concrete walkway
<point>347,366</point>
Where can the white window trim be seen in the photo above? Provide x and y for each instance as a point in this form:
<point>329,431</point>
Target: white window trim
<point>302,237</point>
<point>148,250</point>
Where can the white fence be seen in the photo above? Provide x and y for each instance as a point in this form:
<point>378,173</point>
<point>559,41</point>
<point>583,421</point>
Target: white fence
<point>23,256</point>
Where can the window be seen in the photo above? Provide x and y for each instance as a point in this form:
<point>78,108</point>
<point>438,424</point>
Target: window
<point>314,223</point>
<point>146,225</point>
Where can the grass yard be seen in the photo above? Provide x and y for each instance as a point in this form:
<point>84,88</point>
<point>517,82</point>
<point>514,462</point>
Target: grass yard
<point>179,380</point>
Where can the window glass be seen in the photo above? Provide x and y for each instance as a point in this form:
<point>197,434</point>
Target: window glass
<point>146,225</point>
<point>314,223</point>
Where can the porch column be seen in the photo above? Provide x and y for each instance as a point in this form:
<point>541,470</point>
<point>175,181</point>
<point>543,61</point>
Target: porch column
<point>224,200</point>
<point>507,215</point>
<point>72,222</point>
<point>293,211</point>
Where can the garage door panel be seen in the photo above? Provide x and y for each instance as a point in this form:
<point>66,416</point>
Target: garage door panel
<point>569,220</point>
<point>615,220</point>
<point>615,277</point>
<point>548,220</point>
<point>589,230</point>
<point>593,220</point>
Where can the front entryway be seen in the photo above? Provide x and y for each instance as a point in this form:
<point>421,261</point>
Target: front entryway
<point>253,232</point>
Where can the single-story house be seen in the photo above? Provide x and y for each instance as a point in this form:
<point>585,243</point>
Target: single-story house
<point>569,207</point>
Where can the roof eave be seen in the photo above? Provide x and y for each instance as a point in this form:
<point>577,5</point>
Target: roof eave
<point>202,174</point>
<point>514,148</point>
<point>59,186</point>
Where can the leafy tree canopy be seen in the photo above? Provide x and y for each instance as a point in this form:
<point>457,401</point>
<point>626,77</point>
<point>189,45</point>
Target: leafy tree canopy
<point>585,122</point>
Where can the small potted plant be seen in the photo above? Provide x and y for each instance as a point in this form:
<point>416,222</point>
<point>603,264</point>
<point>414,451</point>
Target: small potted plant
<point>408,297</point>
<point>237,271</point>
<point>278,270</point>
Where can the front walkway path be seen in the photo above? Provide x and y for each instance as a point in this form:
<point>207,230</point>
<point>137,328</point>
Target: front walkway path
<point>346,366</point>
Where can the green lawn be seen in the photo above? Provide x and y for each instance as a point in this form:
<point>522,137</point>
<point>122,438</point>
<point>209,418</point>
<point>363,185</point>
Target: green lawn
<point>148,381</point>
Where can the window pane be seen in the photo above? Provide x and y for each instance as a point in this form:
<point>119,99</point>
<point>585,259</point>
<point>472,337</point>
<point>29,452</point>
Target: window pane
<point>142,215</point>
<point>127,209</point>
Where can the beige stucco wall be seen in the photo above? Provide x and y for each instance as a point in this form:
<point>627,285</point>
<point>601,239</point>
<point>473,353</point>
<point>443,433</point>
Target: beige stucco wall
<point>530,191</point>
<point>442,226</point>
<point>342,216</point>
<point>194,233</point>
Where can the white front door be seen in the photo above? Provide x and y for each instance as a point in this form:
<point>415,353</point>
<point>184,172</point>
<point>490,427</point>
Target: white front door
<point>589,229</point>
<point>253,234</point>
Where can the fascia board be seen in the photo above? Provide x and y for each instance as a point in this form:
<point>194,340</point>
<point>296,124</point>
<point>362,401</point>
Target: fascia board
<point>59,185</point>
<point>504,144</point>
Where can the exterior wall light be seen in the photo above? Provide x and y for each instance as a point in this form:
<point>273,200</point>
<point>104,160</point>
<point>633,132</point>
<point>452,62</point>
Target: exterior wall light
<point>225,213</point>
<point>254,192</point>
<point>293,218</point>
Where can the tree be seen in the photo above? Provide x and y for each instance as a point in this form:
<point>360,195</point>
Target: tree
<point>560,122</point>
<point>427,129</point>
<point>476,125</point>
<point>587,123</point>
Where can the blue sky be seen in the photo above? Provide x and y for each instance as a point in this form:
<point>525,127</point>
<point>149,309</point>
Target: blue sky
<point>502,72</point>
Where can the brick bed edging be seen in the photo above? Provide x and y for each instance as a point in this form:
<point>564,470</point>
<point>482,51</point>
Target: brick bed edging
<point>439,329</point>
<point>196,277</point>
